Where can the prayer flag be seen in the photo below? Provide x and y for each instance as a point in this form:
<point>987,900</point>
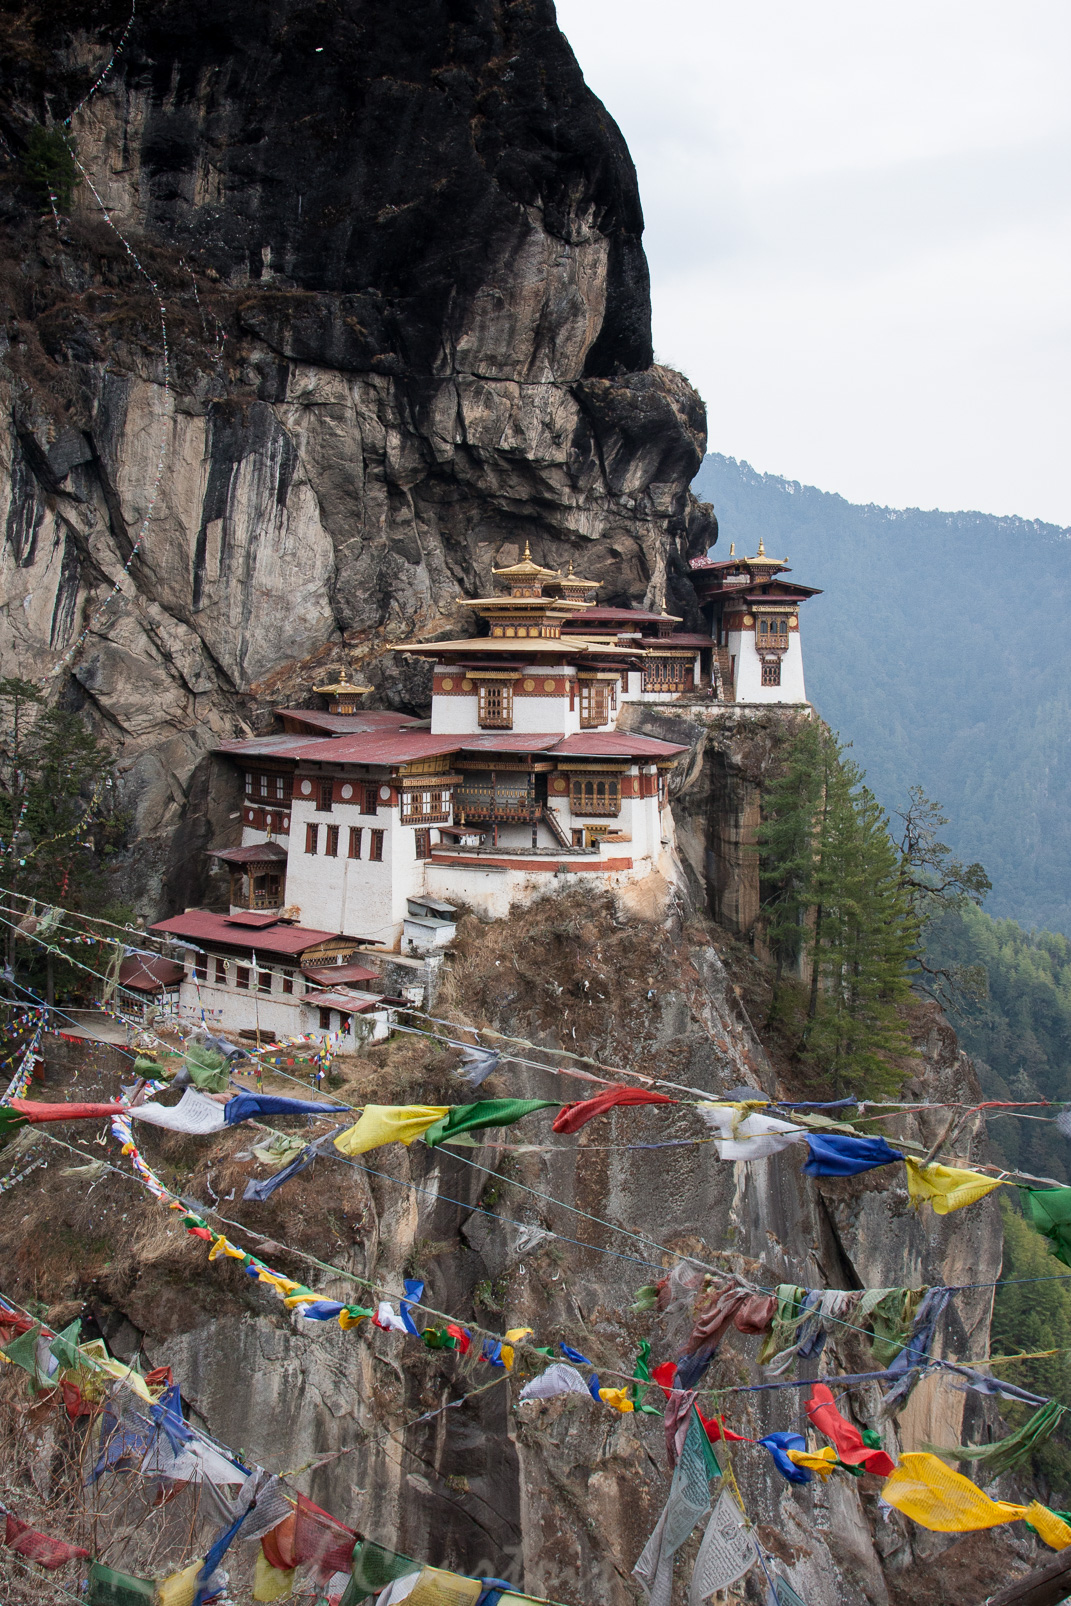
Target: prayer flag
<point>833,1155</point>
<point>574,1116</point>
<point>389,1123</point>
<point>946,1187</point>
<point>486,1112</point>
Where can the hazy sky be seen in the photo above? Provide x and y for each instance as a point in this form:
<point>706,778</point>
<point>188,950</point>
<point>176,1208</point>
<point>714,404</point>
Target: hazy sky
<point>859,231</point>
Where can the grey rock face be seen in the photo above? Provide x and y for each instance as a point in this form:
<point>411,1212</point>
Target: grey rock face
<point>409,327</point>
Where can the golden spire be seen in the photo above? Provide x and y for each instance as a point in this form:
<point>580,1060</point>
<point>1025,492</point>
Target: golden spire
<point>527,553</point>
<point>732,549</point>
<point>762,548</point>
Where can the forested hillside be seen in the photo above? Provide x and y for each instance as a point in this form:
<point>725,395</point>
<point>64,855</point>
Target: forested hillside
<point>939,649</point>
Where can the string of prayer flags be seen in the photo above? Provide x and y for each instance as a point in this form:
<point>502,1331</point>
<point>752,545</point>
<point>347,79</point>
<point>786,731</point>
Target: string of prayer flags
<point>946,1187</point>
<point>723,1307</point>
<point>743,1134</point>
<point>823,1461</point>
<point>642,1374</point>
<point>574,1116</point>
<point>1049,1210</point>
<point>935,1497</point>
<point>830,1154</point>
<point>850,1445</point>
<point>389,1123</point>
<point>487,1112</point>
<point>665,1376</point>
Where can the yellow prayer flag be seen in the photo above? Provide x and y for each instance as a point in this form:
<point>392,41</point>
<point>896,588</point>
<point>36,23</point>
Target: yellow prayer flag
<point>931,1494</point>
<point>823,1461</point>
<point>271,1583</point>
<point>946,1187</point>
<point>436,1587</point>
<point>618,1398</point>
<point>1048,1526</point>
<point>222,1246</point>
<point>180,1588</point>
<point>513,1336</point>
<point>389,1123</point>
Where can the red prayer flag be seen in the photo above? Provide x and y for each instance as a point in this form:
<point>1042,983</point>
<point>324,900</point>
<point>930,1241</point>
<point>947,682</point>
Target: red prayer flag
<point>574,1116</point>
<point>845,1436</point>
<point>26,1541</point>
<point>64,1112</point>
<point>663,1375</point>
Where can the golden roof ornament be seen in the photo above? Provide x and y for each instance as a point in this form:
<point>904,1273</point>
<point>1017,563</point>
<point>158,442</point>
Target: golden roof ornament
<point>528,569</point>
<point>342,687</point>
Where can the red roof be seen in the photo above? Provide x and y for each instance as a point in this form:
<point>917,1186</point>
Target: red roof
<point>371,719</point>
<point>258,853</point>
<point>149,975</point>
<point>281,745</point>
<point>616,744</point>
<point>199,925</point>
<point>345,1003</point>
<point>392,747</point>
<point>330,975</point>
<point>250,917</point>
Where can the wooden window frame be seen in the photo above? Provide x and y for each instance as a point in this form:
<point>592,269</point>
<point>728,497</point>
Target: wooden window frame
<point>356,831</point>
<point>263,979</point>
<point>325,1020</point>
<point>371,798</point>
<point>771,674</point>
<point>241,978</point>
<point>312,837</point>
<point>422,842</point>
<point>200,967</point>
<point>594,704</point>
<point>585,805</point>
<point>288,980</point>
<point>220,972</point>
<point>325,797</point>
<point>375,846</point>
<point>331,845</point>
<point>494,705</point>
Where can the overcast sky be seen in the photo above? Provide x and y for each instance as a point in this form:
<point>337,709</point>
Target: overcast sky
<point>859,231</point>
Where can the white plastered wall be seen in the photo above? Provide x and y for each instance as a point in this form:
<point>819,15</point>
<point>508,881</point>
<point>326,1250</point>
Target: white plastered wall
<point>358,897</point>
<point>749,687</point>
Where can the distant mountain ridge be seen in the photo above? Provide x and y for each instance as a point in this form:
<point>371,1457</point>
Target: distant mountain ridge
<point>941,650</point>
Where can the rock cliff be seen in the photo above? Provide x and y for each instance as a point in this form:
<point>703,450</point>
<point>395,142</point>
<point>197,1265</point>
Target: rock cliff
<point>405,300</point>
<point>399,269</point>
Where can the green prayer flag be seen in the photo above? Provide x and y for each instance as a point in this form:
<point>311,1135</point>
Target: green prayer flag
<point>646,1298</point>
<point>22,1351</point>
<point>64,1347</point>
<point>1004,1455</point>
<point>208,1070</point>
<point>872,1439</point>
<point>9,1120</point>
<point>438,1338</point>
<point>1050,1212</point>
<point>110,1588</point>
<point>374,1567</point>
<point>487,1112</point>
<point>642,1374</point>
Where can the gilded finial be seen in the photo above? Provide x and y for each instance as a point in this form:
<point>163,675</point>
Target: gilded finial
<point>570,568</point>
<point>732,549</point>
<point>527,553</point>
<point>762,548</point>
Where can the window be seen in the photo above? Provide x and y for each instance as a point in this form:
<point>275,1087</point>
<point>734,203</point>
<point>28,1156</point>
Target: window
<point>343,1022</point>
<point>325,792</point>
<point>263,784</point>
<point>594,700</point>
<point>288,981</point>
<point>200,967</point>
<point>221,972</point>
<point>596,794</point>
<point>249,783</point>
<point>376,849</point>
<point>771,674</point>
<point>282,790</point>
<point>331,849</point>
<point>422,842</point>
<point>433,806</point>
<point>241,977</point>
<point>325,1020</point>
<point>667,674</point>
<point>263,980</point>
<point>371,800</point>
<point>312,838</point>
<point>496,705</point>
<point>355,841</point>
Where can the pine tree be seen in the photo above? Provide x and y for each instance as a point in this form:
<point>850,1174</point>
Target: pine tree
<point>834,895</point>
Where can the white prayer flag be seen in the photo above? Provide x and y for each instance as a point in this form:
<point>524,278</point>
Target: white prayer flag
<point>726,1554</point>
